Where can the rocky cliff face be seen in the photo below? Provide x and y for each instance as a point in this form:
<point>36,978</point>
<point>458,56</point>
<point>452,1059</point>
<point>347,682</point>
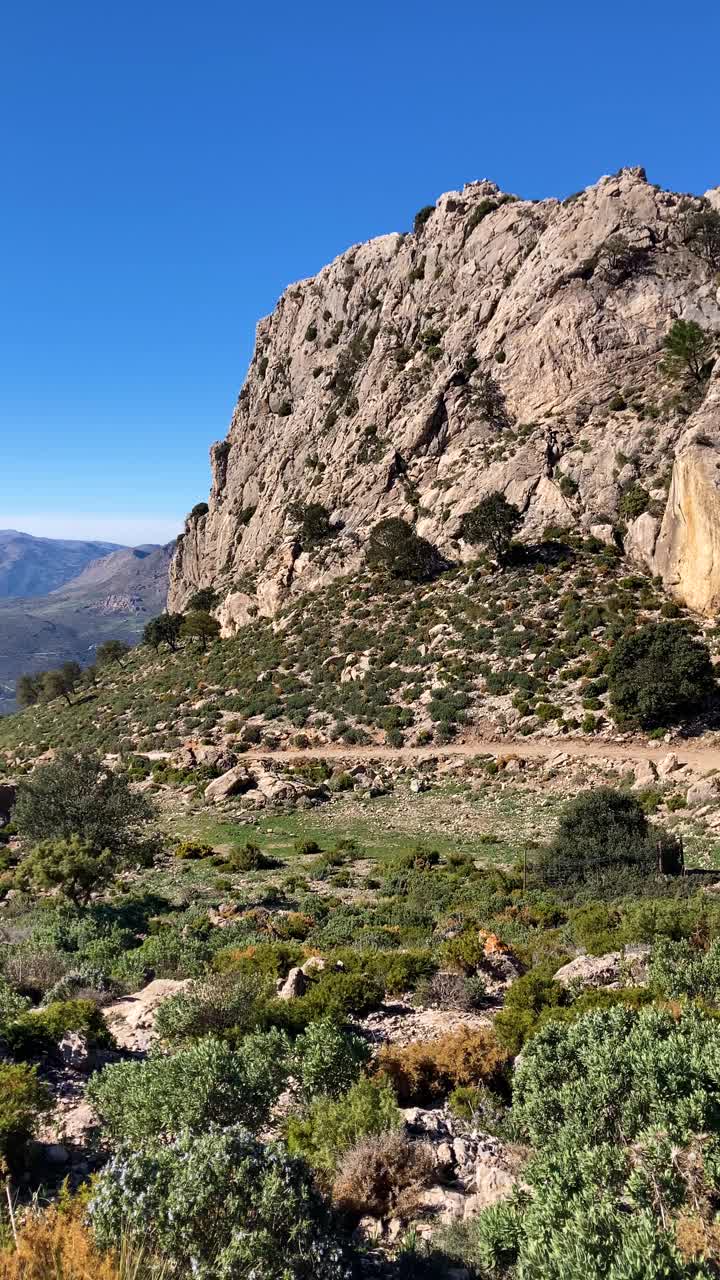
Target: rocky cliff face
<point>506,345</point>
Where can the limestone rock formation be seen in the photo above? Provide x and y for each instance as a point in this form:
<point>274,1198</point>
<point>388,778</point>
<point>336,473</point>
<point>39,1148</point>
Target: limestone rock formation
<point>505,344</point>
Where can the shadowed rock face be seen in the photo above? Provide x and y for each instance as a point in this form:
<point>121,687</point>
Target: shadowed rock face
<point>506,345</point>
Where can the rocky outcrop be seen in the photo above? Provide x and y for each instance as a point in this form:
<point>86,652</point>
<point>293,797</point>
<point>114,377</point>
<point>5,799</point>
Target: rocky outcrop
<point>614,970</point>
<point>506,344</point>
<point>687,553</point>
<point>132,1019</point>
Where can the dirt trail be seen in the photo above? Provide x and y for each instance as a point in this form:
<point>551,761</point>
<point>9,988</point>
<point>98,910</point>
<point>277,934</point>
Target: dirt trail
<point>700,758</point>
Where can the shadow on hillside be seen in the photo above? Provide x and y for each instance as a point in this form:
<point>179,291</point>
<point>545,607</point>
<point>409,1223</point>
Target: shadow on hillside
<point>541,553</point>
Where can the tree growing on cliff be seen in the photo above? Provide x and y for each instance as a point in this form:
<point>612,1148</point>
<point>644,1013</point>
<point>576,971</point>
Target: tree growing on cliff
<point>688,349</point>
<point>55,685</point>
<point>658,675</point>
<point>313,522</point>
<point>203,600</point>
<point>493,523</point>
<point>28,689</point>
<point>112,651</point>
<point>395,548</point>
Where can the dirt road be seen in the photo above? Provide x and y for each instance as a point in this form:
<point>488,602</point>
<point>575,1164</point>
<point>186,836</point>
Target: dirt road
<point>700,757</point>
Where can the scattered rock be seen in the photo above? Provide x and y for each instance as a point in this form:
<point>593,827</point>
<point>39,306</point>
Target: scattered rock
<point>294,985</point>
<point>616,969</point>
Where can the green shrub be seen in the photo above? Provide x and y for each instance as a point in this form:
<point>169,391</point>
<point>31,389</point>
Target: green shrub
<point>206,1084</point>
<point>613,1074</point>
<point>606,830</point>
<point>422,216</point>
<point>586,1215</point>
<point>35,1032</point>
<point>23,1099</point>
<point>331,1126</point>
<point>77,797</point>
<point>192,849</point>
<point>525,1001</point>
<point>229,1004</point>
<point>394,548</point>
<point>219,1206</point>
<point>327,1059</point>
<point>658,675</point>
<point>250,858</point>
<point>678,969</point>
<point>334,995</point>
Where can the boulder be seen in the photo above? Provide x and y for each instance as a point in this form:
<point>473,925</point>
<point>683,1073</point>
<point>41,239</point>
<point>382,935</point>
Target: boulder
<point>75,1053</point>
<point>704,791</point>
<point>668,765</point>
<point>294,985</point>
<point>645,775</point>
<point>616,969</point>
<point>228,784</point>
<point>132,1019</point>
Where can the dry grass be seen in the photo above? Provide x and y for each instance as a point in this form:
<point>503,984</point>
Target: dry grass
<point>697,1239</point>
<point>58,1246</point>
<point>383,1176</point>
<point>428,1070</point>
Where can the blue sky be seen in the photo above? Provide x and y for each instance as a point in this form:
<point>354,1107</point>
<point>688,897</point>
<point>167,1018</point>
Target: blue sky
<point>167,168</point>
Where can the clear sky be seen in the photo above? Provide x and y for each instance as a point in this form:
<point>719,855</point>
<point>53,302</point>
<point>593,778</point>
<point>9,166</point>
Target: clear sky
<point>167,167</point>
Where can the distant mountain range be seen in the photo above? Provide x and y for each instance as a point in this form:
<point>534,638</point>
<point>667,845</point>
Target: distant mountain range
<point>34,566</point>
<point>100,591</point>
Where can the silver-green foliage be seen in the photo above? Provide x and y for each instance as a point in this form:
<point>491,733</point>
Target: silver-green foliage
<point>219,1206</point>
<point>678,969</point>
<point>614,1074</point>
<point>613,1105</point>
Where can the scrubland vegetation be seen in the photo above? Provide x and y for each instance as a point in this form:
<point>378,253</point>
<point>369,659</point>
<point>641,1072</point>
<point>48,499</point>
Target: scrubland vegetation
<point>325,1002</point>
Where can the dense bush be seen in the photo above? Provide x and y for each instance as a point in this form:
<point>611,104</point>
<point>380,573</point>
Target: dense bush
<point>76,796</point>
<point>206,1084</point>
<point>219,1206</point>
<point>34,1032</point>
<point>611,1075</point>
<point>658,675</point>
<point>604,831</point>
<point>493,523</point>
<point>331,1126</point>
<point>526,1000</point>
<point>394,548</point>
<point>679,969</point>
<point>327,1060</point>
<point>214,1005</point>
<point>587,1215</point>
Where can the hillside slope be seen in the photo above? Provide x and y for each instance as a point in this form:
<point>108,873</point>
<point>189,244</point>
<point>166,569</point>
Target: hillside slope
<point>475,653</point>
<point>505,344</point>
